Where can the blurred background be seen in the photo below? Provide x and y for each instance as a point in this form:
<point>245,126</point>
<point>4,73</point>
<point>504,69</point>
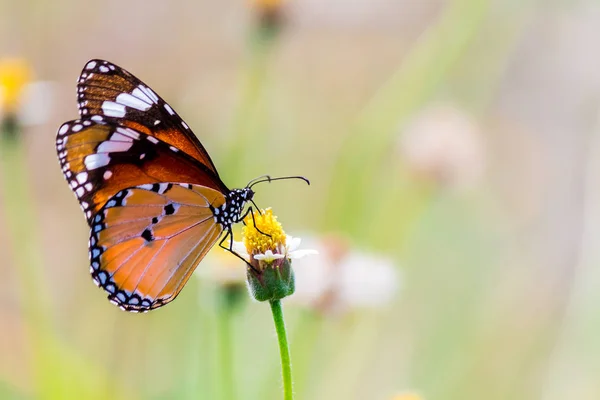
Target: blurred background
<point>453,150</point>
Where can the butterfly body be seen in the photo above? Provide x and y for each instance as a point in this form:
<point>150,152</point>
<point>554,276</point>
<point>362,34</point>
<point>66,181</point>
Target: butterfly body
<point>150,192</point>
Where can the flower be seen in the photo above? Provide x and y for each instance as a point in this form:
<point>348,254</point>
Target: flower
<point>23,102</point>
<point>407,396</point>
<point>290,247</point>
<point>269,13</point>
<point>343,278</point>
<point>444,145</point>
<point>269,252</point>
<point>230,278</point>
<point>15,75</point>
<point>262,233</point>
<point>222,269</point>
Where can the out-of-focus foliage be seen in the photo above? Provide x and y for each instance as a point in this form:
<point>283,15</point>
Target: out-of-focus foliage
<point>453,143</point>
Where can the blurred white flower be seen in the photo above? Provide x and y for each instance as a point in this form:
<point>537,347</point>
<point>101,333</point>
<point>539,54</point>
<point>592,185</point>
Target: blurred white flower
<point>30,102</point>
<point>222,268</point>
<point>341,279</point>
<point>443,144</point>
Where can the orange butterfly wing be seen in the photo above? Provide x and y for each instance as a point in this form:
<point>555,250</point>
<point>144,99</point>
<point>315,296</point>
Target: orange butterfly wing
<point>147,186</point>
<point>100,158</point>
<point>146,242</point>
<point>115,94</point>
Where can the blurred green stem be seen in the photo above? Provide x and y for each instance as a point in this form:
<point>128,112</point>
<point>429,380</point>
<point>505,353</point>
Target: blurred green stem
<point>284,350</point>
<point>421,74</point>
<point>225,343</point>
<point>248,125</point>
<point>20,221</point>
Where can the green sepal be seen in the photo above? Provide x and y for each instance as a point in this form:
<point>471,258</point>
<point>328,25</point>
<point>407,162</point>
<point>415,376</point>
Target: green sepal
<point>274,281</point>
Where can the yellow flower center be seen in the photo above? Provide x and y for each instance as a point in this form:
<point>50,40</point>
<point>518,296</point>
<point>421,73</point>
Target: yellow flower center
<point>14,75</point>
<point>254,237</point>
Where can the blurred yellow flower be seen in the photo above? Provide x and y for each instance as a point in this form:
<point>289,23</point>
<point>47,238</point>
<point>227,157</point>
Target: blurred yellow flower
<point>266,4</point>
<point>23,102</point>
<point>269,14</point>
<point>15,74</point>
<point>407,396</point>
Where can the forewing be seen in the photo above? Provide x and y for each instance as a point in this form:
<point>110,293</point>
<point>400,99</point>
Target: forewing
<point>100,158</point>
<point>145,243</point>
<point>112,92</point>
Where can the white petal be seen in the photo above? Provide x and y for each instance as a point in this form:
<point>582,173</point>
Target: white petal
<point>239,248</point>
<point>268,256</point>
<point>292,243</point>
<point>301,253</point>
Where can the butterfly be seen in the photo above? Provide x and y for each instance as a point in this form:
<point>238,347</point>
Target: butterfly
<point>151,194</point>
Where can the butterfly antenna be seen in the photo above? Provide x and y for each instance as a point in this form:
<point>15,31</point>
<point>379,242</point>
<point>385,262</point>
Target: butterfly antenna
<point>257,179</point>
<point>267,178</point>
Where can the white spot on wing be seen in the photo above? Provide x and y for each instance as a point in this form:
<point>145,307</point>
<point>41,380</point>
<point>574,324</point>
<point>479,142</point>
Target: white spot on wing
<point>152,139</point>
<point>169,109</point>
<point>112,109</point>
<point>103,68</point>
<point>112,147</point>
<point>133,102</point>
<point>107,174</point>
<point>129,133</point>
<point>90,65</point>
<point>94,161</point>
<point>137,92</point>
<point>162,187</point>
<point>63,129</point>
<point>149,93</point>
<point>82,177</point>
<point>119,137</point>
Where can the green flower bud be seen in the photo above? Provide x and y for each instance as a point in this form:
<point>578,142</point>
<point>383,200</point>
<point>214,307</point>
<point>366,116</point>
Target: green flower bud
<point>273,281</point>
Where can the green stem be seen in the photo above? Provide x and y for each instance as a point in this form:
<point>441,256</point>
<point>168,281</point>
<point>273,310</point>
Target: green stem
<point>226,381</point>
<point>19,217</point>
<point>284,350</point>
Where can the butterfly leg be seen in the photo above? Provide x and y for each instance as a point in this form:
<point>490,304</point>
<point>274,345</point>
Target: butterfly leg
<point>230,248</point>
<point>249,211</point>
<point>257,207</point>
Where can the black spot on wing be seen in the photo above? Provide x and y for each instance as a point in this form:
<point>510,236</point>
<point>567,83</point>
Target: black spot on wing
<point>147,235</point>
<point>169,209</point>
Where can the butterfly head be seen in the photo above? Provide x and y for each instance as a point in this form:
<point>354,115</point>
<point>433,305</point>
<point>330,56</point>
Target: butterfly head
<point>231,211</point>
